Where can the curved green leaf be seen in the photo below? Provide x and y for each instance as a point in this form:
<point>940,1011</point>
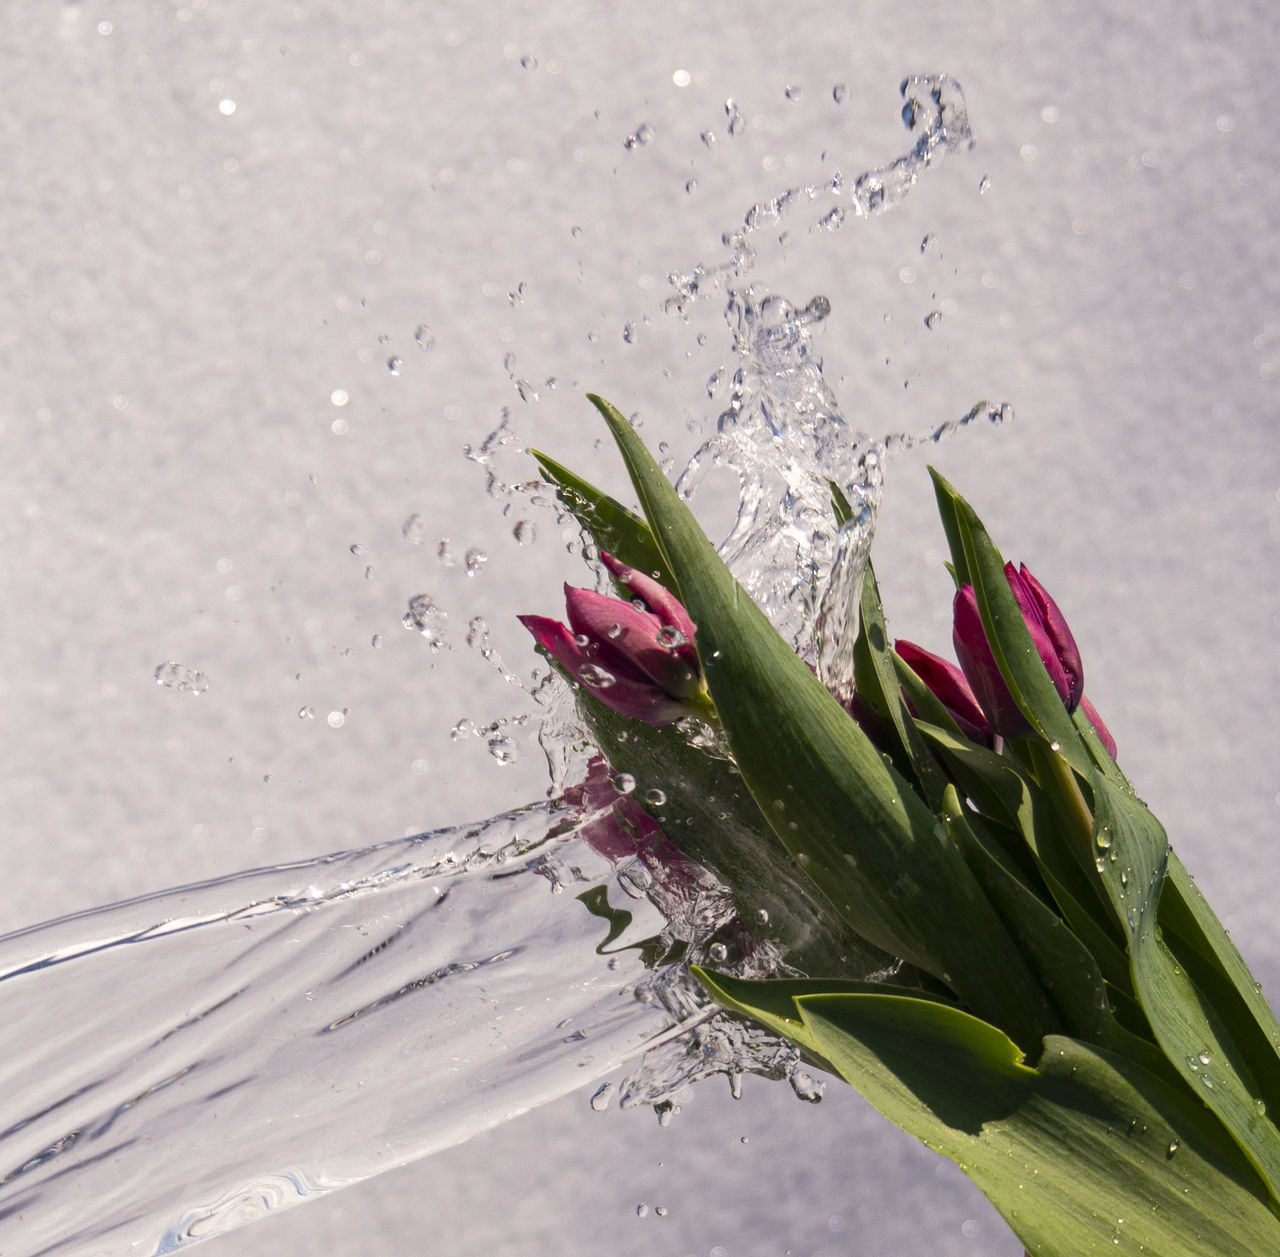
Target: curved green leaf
<point>1087,1153</point>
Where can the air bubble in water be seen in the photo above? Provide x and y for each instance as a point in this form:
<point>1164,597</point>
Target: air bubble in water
<point>425,337</point>
<point>177,676</point>
<point>413,530</point>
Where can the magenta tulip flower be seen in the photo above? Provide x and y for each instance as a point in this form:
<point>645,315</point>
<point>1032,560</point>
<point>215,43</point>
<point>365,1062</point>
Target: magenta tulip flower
<point>1053,642</point>
<point>949,686</point>
<point>637,657</point>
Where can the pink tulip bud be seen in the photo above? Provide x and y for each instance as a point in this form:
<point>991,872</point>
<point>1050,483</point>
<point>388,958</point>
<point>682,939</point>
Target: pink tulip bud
<point>950,688</point>
<point>638,659</point>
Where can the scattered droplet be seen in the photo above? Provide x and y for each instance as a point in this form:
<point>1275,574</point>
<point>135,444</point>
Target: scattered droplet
<point>718,952</point>
<point>628,333</point>
<point>177,676</point>
<point>983,184</point>
<point>840,93</point>
<point>931,321</point>
<point>736,121</point>
<point>414,530</point>
<point>474,561</point>
<point>643,134</point>
<point>525,532</point>
<point>708,138</point>
<point>691,186</point>
<point>528,62</point>
<point>833,220</point>
<point>601,1096</point>
<point>376,641</point>
<point>394,363</point>
<point>503,749</point>
<point>423,616</point>
<point>762,916</point>
<point>806,1087</point>
<point>444,552</point>
<point>425,337</point>
<point>337,719</point>
<point>660,1210</point>
<point>793,94</point>
<point>305,713</point>
<point>642,1210</point>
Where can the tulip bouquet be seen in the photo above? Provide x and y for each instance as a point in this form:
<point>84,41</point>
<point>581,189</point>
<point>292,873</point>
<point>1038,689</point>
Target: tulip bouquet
<point>974,919</point>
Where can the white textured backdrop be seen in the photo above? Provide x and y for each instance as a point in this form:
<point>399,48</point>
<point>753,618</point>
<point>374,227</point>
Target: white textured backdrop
<point>220,216</point>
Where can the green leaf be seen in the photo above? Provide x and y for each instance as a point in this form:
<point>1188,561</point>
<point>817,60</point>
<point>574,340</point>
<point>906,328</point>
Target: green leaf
<point>1087,1153</point>
<point>853,824</point>
<point>616,530</point>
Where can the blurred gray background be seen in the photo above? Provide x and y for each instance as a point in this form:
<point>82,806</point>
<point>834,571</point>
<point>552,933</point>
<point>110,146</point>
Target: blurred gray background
<point>222,225</point>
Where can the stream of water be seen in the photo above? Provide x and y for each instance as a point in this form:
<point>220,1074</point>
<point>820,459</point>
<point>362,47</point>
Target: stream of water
<point>181,1064</point>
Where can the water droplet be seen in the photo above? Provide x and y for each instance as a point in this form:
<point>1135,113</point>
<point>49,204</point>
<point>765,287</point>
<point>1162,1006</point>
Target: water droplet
<point>477,633</point>
<point>931,321</point>
<point>708,138</point>
<point>832,221</point>
<point>840,93</point>
<point>339,397</point>
<point>792,93</point>
<point>691,186</point>
<point>642,1210</point>
<point>1204,1058</point>
<point>305,713</point>
<point>983,184</point>
<point>394,363</point>
<point>660,1210</point>
<point>736,121</point>
<point>528,61</point>
<point>337,719</point>
<point>718,952</point>
<point>643,134</point>
<point>503,749</point>
<point>413,530</point>
<point>475,560</point>
<point>762,916</point>
<point>357,549</point>
<point>670,637</point>
<point>423,616</point>
<point>628,333</point>
<point>461,729</point>
<point>601,1096</point>
<point>425,337</point>
<point>624,783</point>
<point>525,532</point>
<point>1174,1145</point>
<point>666,1110</point>
<point>177,676</point>
<point>444,552</point>
<point>596,678</point>
<point>806,1087</point>
<point>655,796</point>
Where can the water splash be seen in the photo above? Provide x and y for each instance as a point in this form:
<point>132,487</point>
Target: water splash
<point>192,1060</point>
<point>237,1046</point>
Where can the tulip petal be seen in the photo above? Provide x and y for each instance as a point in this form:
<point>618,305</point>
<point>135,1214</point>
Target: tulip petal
<point>1051,634</point>
<point>625,693</point>
<point>980,668</point>
<point>660,600</point>
<point>1104,734</point>
<point>950,687</point>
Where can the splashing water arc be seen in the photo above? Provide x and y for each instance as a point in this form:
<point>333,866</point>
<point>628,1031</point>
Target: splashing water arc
<point>192,1060</point>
